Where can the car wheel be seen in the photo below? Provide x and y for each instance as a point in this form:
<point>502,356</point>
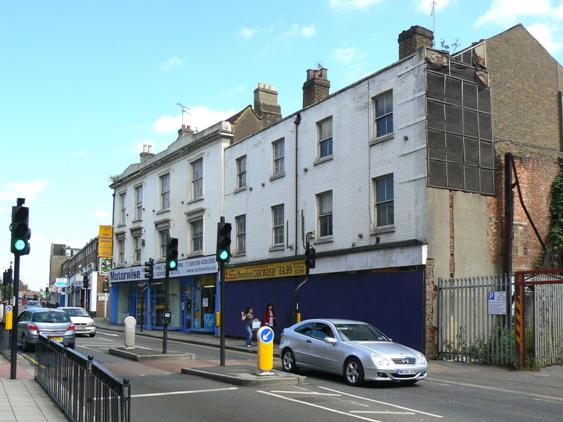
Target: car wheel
<point>288,361</point>
<point>353,372</point>
<point>92,334</point>
<point>25,346</point>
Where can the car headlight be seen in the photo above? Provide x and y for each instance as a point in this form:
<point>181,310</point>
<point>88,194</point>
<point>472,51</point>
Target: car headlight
<point>420,359</point>
<point>91,323</point>
<point>380,360</point>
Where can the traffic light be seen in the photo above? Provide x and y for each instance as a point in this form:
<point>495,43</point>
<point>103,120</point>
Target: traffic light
<point>20,230</point>
<point>7,277</point>
<point>310,256</point>
<point>223,253</point>
<point>149,269</point>
<point>172,254</point>
<point>105,285</point>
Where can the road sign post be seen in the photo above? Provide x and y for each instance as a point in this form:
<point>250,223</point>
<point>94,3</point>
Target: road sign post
<point>265,338</point>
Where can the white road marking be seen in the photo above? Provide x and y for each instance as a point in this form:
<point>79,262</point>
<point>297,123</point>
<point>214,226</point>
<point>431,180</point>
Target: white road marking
<point>502,390</point>
<point>88,348</point>
<point>381,412</point>
<point>177,393</point>
<point>309,393</point>
<point>382,402</point>
<point>108,334</point>
<point>104,339</point>
<point>328,409</point>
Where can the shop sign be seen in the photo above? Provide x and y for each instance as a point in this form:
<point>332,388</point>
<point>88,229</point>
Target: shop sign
<point>105,237</point>
<point>61,282</point>
<point>186,267</point>
<point>105,265</point>
<point>262,271</point>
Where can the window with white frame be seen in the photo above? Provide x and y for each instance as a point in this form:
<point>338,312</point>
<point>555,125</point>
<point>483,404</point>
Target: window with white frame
<point>138,244</point>
<point>162,243</point>
<point>278,225</point>
<point>122,207</point>
<point>197,235</point>
<point>165,191</point>
<point>278,149</point>
<point>324,205</point>
<point>197,178</point>
<point>324,129</point>
<point>384,114</point>
<point>121,251</point>
<point>139,203</point>
<point>240,223</point>
<point>241,172</point>
<point>384,201</point>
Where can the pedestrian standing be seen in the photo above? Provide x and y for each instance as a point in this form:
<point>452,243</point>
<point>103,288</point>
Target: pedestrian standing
<point>247,317</point>
<point>269,318</point>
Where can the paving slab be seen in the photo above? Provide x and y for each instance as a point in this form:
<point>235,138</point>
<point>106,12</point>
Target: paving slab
<point>245,375</point>
<point>145,354</point>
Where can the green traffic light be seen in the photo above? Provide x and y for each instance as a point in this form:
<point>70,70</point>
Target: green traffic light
<point>224,255</point>
<point>19,245</point>
<point>173,265</point>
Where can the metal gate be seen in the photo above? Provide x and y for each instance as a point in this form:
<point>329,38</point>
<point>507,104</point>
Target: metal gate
<point>472,320</point>
<point>539,317</point>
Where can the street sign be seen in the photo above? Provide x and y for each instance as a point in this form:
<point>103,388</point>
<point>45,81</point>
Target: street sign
<point>497,303</point>
<point>266,335</point>
<point>8,308</point>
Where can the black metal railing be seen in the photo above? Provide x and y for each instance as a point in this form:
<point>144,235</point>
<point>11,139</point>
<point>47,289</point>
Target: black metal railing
<point>83,388</point>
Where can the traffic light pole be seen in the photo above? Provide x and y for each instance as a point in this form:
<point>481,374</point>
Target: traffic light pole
<point>166,300</point>
<point>222,313</point>
<point>14,345</point>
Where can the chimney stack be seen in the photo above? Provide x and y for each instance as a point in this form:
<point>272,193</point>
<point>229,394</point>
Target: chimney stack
<point>316,87</point>
<point>266,104</point>
<point>146,154</point>
<point>414,38</point>
<point>185,130</point>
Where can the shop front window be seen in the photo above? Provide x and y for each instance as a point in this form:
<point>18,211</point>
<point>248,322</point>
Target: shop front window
<point>204,303</point>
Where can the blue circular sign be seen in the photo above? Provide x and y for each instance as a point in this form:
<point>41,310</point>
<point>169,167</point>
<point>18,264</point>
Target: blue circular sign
<point>266,335</point>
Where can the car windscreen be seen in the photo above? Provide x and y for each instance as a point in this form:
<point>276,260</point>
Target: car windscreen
<point>360,332</point>
<point>54,317</point>
<point>32,303</point>
<point>76,312</point>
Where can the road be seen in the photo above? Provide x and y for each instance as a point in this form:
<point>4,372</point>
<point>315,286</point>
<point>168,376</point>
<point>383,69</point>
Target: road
<point>453,392</point>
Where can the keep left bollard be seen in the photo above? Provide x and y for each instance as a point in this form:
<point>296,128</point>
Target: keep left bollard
<point>265,337</point>
<point>129,338</point>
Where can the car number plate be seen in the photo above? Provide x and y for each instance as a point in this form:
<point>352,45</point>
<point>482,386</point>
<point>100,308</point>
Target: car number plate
<point>57,338</point>
<point>407,371</point>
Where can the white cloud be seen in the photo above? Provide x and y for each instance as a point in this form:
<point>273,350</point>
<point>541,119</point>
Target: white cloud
<point>199,117</point>
<point>306,31</point>
<point>544,34</point>
<point>247,33</point>
<point>101,214</point>
<point>353,4</point>
<point>425,6</point>
<point>27,190</point>
<point>348,55</point>
<point>79,153</point>
<point>171,64</point>
<point>507,12</point>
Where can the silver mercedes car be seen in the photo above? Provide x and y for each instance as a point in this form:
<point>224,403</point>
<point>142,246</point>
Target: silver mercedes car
<point>354,349</point>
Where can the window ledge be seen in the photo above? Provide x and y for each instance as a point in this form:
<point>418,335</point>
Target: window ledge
<point>120,225</point>
<point>138,220</point>
<point>325,239</point>
<point>323,159</point>
<point>163,211</point>
<point>239,254</point>
<point>195,254</point>
<point>383,229</point>
<point>237,190</point>
<point>277,248</point>
<point>193,201</point>
<point>277,176</point>
<point>383,138</point>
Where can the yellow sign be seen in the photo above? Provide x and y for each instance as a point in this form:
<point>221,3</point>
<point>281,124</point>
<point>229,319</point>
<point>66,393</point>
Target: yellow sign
<point>105,236</point>
<point>261,271</point>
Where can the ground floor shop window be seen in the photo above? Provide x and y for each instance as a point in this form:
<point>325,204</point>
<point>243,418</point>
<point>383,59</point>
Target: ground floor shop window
<point>204,302</point>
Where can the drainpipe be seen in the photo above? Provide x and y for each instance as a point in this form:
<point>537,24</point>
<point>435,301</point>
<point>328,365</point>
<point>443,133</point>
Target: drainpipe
<point>296,122</point>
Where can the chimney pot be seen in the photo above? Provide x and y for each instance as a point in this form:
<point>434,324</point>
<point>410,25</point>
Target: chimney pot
<point>316,87</point>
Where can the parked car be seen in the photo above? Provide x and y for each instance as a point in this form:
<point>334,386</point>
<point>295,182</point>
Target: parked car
<point>33,304</point>
<point>81,319</point>
<point>51,323</point>
<point>354,349</point>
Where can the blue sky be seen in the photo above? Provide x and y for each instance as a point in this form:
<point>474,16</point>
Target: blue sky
<point>84,84</point>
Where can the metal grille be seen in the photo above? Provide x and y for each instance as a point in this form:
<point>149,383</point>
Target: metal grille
<point>467,331</point>
<point>404,361</point>
<point>83,389</point>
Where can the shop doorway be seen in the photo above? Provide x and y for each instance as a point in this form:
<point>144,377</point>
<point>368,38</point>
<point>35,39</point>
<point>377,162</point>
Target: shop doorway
<point>204,303</point>
<point>186,306</point>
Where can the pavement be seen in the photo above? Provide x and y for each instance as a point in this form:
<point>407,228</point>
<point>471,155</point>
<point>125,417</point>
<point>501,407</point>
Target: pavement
<point>23,399</point>
<point>236,344</point>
